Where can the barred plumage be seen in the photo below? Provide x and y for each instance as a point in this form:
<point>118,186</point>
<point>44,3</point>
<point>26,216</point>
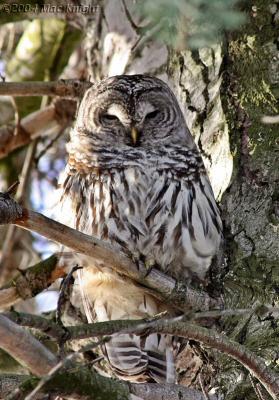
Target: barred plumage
<point>136,179</point>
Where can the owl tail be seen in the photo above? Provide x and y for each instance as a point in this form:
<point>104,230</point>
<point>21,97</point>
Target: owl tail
<point>141,359</point>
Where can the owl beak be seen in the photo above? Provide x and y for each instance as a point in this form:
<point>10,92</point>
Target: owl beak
<point>134,135</point>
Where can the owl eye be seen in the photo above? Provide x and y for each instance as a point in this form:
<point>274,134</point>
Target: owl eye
<point>152,114</point>
<point>109,118</point>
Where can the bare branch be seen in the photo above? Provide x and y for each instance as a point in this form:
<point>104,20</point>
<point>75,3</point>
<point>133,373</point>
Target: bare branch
<point>68,89</point>
<point>8,297</point>
<point>25,348</point>
<point>89,385</point>
<point>46,326</point>
<point>39,123</point>
<point>31,281</point>
<point>163,286</point>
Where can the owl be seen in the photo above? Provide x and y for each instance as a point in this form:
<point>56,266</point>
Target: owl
<point>135,179</point>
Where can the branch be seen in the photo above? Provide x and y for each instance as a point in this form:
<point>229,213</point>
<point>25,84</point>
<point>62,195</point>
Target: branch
<point>72,378</point>
<point>25,348</point>
<point>255,365</point>
<point>31,281</point>
<point>50,328</point>
<point>163,287</point>
<point>176,327</point>
<point>207,337</point>
<point>90,385</point>
<point>62,333</point>
<point>155,391</point>
<point>68,89</point>
<point>39,123</point>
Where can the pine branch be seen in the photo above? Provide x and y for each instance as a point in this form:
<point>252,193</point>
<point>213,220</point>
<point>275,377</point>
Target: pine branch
<point>162,286</point>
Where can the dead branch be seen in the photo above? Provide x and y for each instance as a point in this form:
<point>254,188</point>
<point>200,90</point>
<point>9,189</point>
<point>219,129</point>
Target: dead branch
<point>48,121</point>
<point>61,333</point>
<point>163,287</point>
<point>25,348</point>
<point>68,89</point>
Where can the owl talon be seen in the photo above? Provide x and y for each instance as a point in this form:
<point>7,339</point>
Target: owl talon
<point>144,266</point>
<point>149,264</point>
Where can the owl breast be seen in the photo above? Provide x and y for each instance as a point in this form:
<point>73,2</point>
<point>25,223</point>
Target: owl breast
<point>152,214</point>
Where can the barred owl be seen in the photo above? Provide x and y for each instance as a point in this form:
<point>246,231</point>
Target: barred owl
<point>135,178</point>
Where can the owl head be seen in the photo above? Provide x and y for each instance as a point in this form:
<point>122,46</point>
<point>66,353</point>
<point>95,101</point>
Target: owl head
<point>131,111</point>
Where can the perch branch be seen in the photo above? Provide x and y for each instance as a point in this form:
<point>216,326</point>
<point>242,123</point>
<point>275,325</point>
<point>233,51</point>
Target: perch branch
<point>162,286</point>
<point>39,123</point>
<point>68,89</point>
<point>61,333</point>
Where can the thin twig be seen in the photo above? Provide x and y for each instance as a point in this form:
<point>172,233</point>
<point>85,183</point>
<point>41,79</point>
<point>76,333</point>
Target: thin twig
<point>204,392</point>
<point>59,333</point>
<point>48,146</point>
<point>256,389</point>
<point>64,294</point>
<point>7,248</point>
